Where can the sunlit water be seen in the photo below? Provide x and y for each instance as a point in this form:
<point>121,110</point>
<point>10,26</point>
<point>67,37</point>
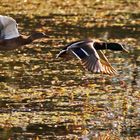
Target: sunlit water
<point>44,97</point>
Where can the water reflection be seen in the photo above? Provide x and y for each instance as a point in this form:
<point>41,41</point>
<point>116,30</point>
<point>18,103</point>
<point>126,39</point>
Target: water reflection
<point>42,97</point>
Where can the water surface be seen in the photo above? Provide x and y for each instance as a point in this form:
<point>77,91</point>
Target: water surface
<point>42,97</point>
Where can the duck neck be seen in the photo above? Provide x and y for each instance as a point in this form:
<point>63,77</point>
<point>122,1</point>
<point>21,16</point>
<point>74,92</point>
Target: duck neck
<point>100,46</point>
<point>113,46</point>
<point>105,46</point>
<point>25,40</point>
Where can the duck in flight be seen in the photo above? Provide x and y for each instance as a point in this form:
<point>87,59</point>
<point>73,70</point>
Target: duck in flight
<point>10,38</point>
<point>91,55</point>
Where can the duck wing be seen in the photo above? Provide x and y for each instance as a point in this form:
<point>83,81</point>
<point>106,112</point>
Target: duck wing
<point>81,49</point>
<point>9,27</point>
<point>92,59</point>
<point>106,66</point>
<point>88,55</point>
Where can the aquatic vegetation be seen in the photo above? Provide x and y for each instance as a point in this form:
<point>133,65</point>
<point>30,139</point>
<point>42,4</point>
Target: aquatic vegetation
<point>44,98</point>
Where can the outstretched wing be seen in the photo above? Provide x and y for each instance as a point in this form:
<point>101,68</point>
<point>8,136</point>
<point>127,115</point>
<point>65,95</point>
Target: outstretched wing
<point>9,29</point>
<point>93,60</point>
<point>81,49</point>
<point>106,66</point>
<point>88,55</point>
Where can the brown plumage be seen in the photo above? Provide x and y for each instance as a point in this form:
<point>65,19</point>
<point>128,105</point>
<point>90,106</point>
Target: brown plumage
<point>9,36</point>
<point>98,65</point>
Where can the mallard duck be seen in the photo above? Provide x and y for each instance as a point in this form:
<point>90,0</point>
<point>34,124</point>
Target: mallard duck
<point>9,36</point>
<point>91,55</point>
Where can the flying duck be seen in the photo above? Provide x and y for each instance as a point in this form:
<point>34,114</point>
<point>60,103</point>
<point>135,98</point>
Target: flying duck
<point>9,36</point>
<point>91,55</point>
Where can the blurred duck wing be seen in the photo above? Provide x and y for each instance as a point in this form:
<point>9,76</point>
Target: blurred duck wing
<point>9,29</point>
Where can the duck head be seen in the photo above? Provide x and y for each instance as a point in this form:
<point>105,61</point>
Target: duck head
<point>116,47</point>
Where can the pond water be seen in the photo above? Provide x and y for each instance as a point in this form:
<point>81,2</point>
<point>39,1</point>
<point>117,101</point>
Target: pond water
<point>42,97</point>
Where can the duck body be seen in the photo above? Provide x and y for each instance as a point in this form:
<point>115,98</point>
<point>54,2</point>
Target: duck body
<point>91,55</point>
<point>14,43</point>
<point>10,38</point>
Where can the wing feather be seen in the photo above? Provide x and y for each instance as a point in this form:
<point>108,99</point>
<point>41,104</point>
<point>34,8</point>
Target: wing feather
<point>93,60</point>
<point>98,65</point>
<point>9,29</point>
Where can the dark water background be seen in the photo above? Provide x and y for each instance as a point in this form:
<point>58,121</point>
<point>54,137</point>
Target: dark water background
<point>42,97</point>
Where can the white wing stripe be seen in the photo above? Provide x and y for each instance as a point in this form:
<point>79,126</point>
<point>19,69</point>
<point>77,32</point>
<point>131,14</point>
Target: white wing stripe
<point>76,55</point>
<point>84,51</point>
<point>74,44</point>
